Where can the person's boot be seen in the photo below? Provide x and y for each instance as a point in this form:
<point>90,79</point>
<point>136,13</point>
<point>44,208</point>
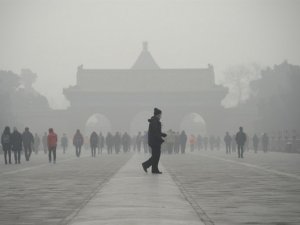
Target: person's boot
<point>157,172</point>
<point>144,168</point>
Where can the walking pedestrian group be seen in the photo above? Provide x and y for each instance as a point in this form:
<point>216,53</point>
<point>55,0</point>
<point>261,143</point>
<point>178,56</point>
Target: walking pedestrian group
<point>153,141</point>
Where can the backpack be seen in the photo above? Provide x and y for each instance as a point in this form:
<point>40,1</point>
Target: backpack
<point>6,139</point>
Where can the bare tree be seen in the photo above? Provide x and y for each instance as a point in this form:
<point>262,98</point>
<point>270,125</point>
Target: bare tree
<point>237,80</point>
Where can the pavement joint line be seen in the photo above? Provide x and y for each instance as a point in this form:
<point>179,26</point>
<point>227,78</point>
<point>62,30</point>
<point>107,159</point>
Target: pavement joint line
<point>254,166</point>
<point>104,208</point>
<point>197,208</point>
<point>70,218</point>
<point>38,166</point>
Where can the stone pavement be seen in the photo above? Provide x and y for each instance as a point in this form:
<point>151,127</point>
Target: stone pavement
<point>134,197</point>
<point>40,193</point>
<point>259,189</point>
<point>206,187</point>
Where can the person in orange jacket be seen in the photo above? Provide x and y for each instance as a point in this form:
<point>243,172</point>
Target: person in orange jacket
<point>192,142</point>
<point>52,143</point>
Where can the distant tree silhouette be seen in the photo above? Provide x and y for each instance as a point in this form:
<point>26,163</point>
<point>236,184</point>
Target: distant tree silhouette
<point>9,82</point>
<point>278,97</point>
<point>18,96</point>
<point>26,98</point>
<point>237,79</point>
<point>27,78</point>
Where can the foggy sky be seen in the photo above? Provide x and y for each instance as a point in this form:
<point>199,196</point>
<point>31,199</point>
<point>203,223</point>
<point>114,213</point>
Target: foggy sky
<point>53,37</point>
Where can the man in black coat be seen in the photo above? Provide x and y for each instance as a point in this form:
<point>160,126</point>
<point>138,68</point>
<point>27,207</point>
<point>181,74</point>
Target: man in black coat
<point>228,140</point>
<point>240,140</point>
<point>183,139</point>
<point>16,141</point>
<point>94,141</point>
<point>154,141</point>
<point>6,144</point>
<point>28,142</point>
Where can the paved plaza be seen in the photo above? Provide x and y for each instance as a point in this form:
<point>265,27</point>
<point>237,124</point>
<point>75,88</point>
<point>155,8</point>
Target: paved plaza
<point>206,187</point>
<point>37,192</point>
<point>259,189</point>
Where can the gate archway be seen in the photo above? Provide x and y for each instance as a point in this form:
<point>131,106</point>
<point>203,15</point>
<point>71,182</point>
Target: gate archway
<point>193,123</point>
<point>98,123</point>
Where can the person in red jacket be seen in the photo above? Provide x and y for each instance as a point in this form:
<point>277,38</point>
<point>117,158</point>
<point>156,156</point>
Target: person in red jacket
<point>52,143</point>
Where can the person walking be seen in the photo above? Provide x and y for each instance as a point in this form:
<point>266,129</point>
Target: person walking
<point>154,140</point>
<point>126,142</point>
<point>44,142</point>
<point>139,140</point>
<point>100,143</point>
<point>255,143</point>
<point>94,140</point>
<point>192,141</point>
<point>241,140</point>
<point>52,144</point>
<point>109,143</point>
<point>37,142</point>
<point>145,142</point>
<point>117,142</point>
<point>78,142</point>
<point>28,142</point>
<point>6,144</point>
<point>183,140</point>
<point>64,142</point>
<point>16,141</point>
<point>228,140</point>
<point>177,143</point>
<point>199,142</point>
<point>168,142</point>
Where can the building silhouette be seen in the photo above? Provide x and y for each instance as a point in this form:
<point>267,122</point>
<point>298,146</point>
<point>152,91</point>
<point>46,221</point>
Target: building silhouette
<point>123,99</point>
<point>121,94</point>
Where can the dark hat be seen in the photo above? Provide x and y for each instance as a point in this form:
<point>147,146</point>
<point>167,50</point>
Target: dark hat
<point>157,111</point>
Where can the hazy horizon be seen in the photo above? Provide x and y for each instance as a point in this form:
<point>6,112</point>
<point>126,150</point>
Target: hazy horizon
<point>53,37</point>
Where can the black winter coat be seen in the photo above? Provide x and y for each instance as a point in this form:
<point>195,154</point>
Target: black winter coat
<point>94,140</point>
<point>240,138</point>
<point>154,132</point>
<point>16,141</point>
<point>27,138</point>
<point>6,140</point>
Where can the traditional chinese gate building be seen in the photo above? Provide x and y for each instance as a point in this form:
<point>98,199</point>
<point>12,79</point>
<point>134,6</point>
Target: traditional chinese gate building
<point>122,94</point>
